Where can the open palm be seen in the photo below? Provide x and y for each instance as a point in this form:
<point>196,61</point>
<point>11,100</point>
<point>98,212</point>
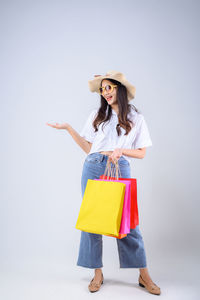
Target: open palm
<point>58,126</point>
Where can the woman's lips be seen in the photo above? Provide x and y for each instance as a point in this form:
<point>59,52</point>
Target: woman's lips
<point>109,98</point>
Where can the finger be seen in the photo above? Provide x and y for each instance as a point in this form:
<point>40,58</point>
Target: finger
<point>113,160</point>
<point>50,125</point>
<point>109,159</point>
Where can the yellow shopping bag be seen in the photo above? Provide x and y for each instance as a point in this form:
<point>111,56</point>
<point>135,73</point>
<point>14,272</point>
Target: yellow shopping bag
<point>101,207</point>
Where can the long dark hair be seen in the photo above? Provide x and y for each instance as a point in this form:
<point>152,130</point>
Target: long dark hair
<point>124,108</point>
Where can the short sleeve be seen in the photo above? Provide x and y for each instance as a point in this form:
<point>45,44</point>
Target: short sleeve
<point>87,131</point>
<point>142,138</point>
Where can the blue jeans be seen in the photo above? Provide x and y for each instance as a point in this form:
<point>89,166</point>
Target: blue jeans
<point>130,248</point>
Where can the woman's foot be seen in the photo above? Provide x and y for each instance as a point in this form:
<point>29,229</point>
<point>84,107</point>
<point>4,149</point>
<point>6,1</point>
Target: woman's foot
<point>146,281</point>
<point>96,281</point>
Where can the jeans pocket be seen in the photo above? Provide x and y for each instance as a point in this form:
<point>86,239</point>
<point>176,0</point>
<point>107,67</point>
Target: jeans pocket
<point>123,161</point>
<point>93,158</point>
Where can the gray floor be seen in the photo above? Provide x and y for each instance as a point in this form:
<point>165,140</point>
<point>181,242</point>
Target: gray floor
<point>48,280</point>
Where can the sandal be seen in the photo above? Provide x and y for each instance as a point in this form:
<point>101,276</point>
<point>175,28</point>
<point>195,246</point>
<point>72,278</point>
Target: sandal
<point>151,287</point>
<point>95,286</point>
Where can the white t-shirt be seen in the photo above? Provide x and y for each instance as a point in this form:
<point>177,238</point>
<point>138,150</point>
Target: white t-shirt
<point>108,139</point>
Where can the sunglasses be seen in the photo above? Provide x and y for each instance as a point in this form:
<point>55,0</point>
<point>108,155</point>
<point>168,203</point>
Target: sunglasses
<point>109,88</point>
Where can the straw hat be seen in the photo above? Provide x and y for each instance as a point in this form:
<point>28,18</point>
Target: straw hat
<point>95,83</point>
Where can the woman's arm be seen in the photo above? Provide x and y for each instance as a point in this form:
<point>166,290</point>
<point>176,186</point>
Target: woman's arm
<point>136,153</point>
<point>85,145</point>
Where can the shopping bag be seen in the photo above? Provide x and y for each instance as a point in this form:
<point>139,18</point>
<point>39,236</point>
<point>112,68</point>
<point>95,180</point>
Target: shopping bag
<point>134,215</point>
<point>101,207</point>
<point>134,204</point>
<point>125,219</point>
<point>108,174</point>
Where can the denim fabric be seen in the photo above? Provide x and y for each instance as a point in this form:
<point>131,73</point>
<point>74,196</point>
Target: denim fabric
<point>130,248</point>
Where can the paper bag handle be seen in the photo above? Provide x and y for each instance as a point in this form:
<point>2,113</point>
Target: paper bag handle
<point>112,172</point>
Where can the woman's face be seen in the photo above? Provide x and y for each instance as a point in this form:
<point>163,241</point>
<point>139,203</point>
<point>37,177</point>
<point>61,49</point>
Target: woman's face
<point>111,97</point>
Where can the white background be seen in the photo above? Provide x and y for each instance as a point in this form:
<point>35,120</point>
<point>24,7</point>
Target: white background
<point>49,50</point>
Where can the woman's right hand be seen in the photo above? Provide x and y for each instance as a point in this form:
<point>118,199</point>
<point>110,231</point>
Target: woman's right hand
<point>85,145</point>
<point>59,126</point>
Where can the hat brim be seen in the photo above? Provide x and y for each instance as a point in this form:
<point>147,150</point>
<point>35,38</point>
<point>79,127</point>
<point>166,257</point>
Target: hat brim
<point>95,83</point>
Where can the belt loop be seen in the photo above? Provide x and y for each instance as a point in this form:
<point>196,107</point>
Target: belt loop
<point>104,157</point>
<point>101,157</point>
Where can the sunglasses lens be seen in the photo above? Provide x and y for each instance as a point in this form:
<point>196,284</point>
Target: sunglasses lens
<point>108,88</point>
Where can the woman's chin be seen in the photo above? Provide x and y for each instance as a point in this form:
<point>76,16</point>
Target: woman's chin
<point>111,102</point>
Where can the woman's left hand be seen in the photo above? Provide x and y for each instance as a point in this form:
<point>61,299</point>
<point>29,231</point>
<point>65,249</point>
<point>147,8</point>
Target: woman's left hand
<point>117,153</point>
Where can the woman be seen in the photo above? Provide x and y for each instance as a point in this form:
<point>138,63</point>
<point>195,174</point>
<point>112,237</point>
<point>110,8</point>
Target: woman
<point>115,131</point>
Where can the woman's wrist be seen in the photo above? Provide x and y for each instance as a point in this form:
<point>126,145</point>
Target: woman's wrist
<point>135,153</point>
<point>67,126</point>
